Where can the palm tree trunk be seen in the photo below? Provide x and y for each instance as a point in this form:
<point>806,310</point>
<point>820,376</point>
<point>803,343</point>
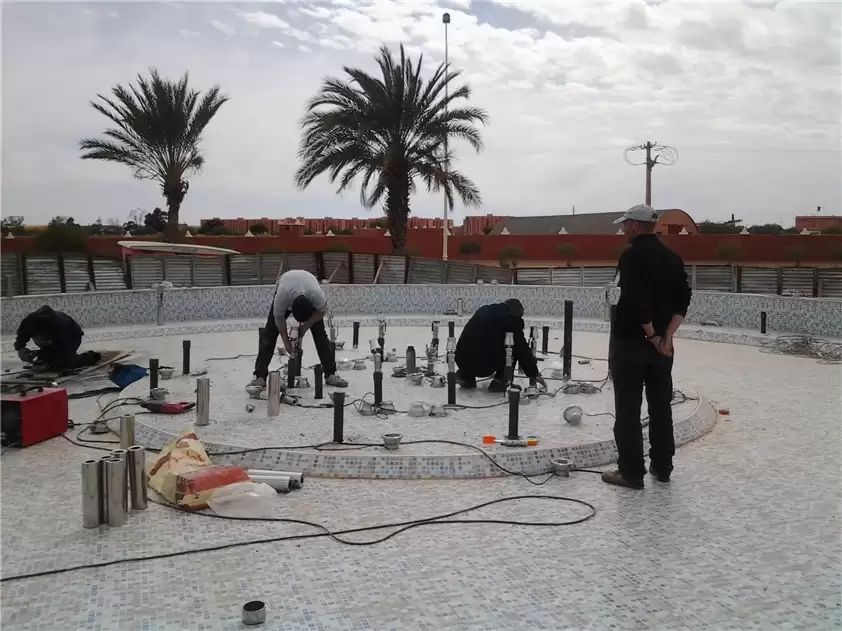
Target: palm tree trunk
<point>171,234</point>
<point>397,207</point>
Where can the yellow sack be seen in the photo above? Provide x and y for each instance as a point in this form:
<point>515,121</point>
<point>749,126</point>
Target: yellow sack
<point>183,455</point>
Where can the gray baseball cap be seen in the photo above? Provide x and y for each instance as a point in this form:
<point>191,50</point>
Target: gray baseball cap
<point>641,212</point>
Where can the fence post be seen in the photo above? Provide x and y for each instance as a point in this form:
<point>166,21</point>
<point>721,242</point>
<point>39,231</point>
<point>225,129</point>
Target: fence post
<point>693,278</point>
<point>375,268</point>
<point>476,273</point>
<point>739,271</point>
<point>192,271</point>
<point>350,268</point>
<point>127,272</point>
<point>407,263</point>
<point>780,281</point>
<point>91,271</point>
<point>62,281</point>
<point>320,265</point>
<point>259,262</point>
<point>549,275</point>
<point>444,274</point>
<point>226,270</point>
<point>21,274</point>
<point>582,276</point>
<point>816,291</point>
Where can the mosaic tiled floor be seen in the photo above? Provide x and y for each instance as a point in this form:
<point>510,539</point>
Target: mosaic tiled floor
<point>746,536</point>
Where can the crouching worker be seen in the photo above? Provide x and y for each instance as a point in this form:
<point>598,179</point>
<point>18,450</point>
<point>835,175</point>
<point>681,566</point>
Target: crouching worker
<point>57,336</point>
<point>481,349</point>
<point>297,293</point>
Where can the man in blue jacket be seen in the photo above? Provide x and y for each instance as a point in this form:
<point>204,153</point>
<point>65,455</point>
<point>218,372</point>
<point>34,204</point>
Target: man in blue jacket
<point>481,349</point>
<point>57,336</point>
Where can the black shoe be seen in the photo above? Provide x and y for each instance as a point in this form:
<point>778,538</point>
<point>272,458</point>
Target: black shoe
<point>496,386</point>
<point>618,479</point>
<point>657,475</point>
<point>468,383</point>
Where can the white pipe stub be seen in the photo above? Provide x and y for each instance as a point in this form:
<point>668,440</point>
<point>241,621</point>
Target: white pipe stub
<point>254,612</point>
<point>562,466</point>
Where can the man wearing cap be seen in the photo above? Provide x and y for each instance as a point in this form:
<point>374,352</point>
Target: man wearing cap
<point>654,297</point>
<point>481,350</point>
<point>299,294</point>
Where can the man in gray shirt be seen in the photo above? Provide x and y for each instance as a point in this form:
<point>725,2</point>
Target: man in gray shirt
<point>298,293</point>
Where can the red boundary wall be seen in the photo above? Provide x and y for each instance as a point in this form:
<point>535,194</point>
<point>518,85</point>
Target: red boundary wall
<point>427,243</point>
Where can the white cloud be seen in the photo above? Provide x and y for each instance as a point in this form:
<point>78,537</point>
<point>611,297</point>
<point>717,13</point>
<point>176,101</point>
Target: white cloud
<point>749,94</point>
<point>223,27</point>
<point>264,20</point>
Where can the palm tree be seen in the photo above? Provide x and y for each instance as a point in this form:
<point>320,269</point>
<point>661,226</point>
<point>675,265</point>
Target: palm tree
<point>159,125</point>
<point>390,130</point>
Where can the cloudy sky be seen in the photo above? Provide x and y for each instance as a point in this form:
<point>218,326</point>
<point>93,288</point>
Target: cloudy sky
<point>748,92</point>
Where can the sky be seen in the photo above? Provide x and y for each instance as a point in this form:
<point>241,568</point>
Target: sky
<point>748,93</point>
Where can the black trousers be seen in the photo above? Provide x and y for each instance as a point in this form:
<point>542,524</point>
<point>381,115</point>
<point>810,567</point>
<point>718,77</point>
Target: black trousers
<point>64,356</point>
<point>474,362</point>
<point>270,340</point>
<point>637,366</point>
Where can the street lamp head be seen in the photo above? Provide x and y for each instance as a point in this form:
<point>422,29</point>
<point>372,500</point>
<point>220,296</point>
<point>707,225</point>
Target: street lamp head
<point>445,19</point>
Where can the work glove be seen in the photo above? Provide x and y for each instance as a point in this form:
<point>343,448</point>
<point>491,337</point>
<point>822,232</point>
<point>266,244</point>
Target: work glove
<point>26,355</point>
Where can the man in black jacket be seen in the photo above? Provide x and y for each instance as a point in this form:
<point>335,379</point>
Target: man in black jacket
<point>57,336</point>
<point>481,349</point>
<point>654,297</point>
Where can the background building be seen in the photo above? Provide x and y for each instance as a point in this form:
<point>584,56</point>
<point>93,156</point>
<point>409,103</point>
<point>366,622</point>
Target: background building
<point>671,221</point>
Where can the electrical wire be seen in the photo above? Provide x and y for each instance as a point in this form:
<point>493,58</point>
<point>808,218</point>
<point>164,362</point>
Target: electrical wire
<point>402,527</point>
<point>824,351</point>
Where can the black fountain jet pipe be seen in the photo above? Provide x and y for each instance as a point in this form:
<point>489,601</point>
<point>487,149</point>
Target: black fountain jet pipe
<point>153,373</point>
<point>338,416</point>
<point>378,379</point>
<point>318,375</point>
<point>545,339</point>
<point>356,339</point>
<point>185,357</point>
<point>763,322</point>
<point>514,415</point>
<point>567,353</point>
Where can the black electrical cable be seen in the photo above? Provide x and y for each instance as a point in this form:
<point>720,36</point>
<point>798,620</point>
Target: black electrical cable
<point>401,526</point>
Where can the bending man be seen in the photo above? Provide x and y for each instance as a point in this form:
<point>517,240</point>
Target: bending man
<point>58,338</point>
<point>654,297</point>
<point>481,349</point>
<point>298,293</point>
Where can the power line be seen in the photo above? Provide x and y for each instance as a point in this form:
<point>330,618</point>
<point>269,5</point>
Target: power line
<point>663,154</point>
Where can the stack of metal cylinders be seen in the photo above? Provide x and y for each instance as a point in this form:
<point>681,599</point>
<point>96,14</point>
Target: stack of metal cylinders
<point>108,485</point>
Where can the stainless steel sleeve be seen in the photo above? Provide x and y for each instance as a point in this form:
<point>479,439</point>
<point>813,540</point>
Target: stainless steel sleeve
<point>115,490</point>
<point>281,483</point>
<point>91,493</point>
<point>274,393</point>
<point>137,476</point>
<point>120,454</point>
<point>297,479</point>
<point>202,401</point>
<point>126,431</point>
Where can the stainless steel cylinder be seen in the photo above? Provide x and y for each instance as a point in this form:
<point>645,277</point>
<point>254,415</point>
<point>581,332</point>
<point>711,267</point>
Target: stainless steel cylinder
<point>91,493</point>
<point>115,491</point>
<point>296,479</point>
<point>103,503</point>
<point>120,454</point>
<point>136,462</point>
<point>280,483</point>
<point>202,401</point>
<point>126,431</point>
<point>254,612</point>
<point>273,395</point>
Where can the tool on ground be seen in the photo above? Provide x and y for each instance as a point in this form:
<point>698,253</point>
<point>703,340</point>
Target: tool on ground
<point>158,407</point>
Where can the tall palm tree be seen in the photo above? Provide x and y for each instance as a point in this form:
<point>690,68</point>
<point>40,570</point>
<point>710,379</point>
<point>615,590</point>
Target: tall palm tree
<point>159,125</point>
<point>390,130</point>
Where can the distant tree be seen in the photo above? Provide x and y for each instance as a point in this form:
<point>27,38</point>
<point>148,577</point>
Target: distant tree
<point>728,252</point>
<point>13,224</point>
<point>796,255</point>
<point>157,220</point>
<point>158,127</point>
<point>337,247</point>
<point>766,228</point>
<point>210,225</point>
<point>715,227</point>
<point>487,230</point>
<point>469,248</point>
<point>346,232</point>
<point>95,228</point>
<point>509,256</point>
<point>259,228</point>
<point>833,230</point>
<point>566,251</point>
<point>62,234</point>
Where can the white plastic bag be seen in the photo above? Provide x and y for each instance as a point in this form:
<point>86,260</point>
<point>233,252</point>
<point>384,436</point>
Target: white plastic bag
<point>244,499</point>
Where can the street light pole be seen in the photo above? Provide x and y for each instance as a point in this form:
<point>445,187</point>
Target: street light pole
<point>445,20</point>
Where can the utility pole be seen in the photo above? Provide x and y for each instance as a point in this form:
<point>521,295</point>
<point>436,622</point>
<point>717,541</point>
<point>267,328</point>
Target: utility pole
<point>663,154</point>
<point>445,19</point>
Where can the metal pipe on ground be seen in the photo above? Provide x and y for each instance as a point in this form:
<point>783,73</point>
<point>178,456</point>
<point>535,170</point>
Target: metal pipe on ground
<point>514,415</point>
<point>318,378</point>
<point>338,417</point>
<point>115,487</point>
<point>281,483</point>
<point>273,394</point>
<point>127,425</point>
<point>202,401</point>
<point>153,373</point>
<point>296,478</point>
<point>120,454</point>
<point>91,493</point>
<point>356,335</point>
<point>185,357</point>
<point>136,462</point>
<point>545,339</point>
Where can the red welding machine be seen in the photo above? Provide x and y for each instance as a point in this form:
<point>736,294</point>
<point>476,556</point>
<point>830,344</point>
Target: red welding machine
<point>34,416</point>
